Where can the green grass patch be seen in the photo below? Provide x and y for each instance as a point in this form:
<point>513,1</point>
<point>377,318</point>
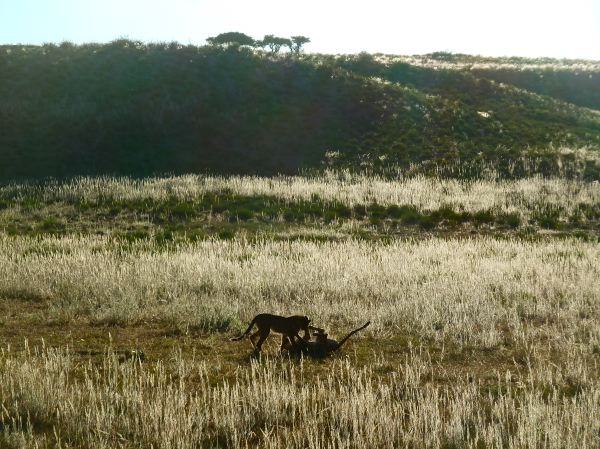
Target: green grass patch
<point>171,219</point>
<point>548,218</point>
<point>52,225</point>
<point>512,220</point>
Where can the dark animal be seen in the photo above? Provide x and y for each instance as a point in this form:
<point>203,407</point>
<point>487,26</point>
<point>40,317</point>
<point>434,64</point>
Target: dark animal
<point>289,328</point>
<point>321,347</point>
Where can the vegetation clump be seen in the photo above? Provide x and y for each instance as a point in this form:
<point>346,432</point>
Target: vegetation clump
<point>138,109</point>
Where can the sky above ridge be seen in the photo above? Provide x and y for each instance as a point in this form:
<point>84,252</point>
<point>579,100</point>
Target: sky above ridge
<point>533,28</point>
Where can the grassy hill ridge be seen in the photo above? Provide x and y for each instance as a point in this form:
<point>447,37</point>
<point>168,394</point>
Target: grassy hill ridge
<point>140,109</point>
<point>573,80</point>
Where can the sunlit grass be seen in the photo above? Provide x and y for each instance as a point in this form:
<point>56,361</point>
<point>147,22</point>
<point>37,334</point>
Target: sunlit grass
<point>424,193</point>
<point>47,399</point>
<point>478,342</point>
<point>479,291</point>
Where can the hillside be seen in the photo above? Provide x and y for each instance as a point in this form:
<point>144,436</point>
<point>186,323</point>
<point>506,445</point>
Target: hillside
<point>573,80</point>
<point>142,109</point>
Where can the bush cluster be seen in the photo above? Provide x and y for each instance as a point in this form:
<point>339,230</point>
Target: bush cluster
<point>139,109</point>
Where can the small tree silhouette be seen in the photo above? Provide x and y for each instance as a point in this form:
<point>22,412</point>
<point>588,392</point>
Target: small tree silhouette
<point>274,43</point>
<point>298,42</point>
<point>232,38</point>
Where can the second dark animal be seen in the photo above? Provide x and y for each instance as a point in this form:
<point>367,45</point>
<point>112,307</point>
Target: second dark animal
<point>321,347</point>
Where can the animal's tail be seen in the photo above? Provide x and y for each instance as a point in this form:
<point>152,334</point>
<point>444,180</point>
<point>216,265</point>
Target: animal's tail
<point>343,340</point>
<point>245,333</point>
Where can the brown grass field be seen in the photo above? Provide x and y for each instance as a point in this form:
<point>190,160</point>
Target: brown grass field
<point>481,336</point>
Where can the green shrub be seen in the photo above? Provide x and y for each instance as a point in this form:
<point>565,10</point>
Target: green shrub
<point>241,214</point>
<point>410,215</point>
<point>547,218</point>
<point>427,222</point>
<point>52,225</point>
<point>576,218</point>
<point>113,211</point>
<point>548,222</point>
<point>342,211</point>
<point>483,216</point>
<point>314,210</point>
<point>359,211</point>
<point>329,216</point>
<point>226,234</point>
<point>290,216</point>
<point>30,204</point>
<point>589,211</point>
<point>513,220</point>
<point>164,236</point>
<point>11,229</point>
<point>377,211</point>
<point>183,210</point>
<point>394,211</point>
<point>136,234</point>
<point>375,221</point>
<point>218,208</point>
<point>253,204</point>
<point>446,213</point>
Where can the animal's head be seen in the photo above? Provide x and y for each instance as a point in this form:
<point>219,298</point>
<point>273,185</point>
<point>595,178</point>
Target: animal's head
<point>305,327</point>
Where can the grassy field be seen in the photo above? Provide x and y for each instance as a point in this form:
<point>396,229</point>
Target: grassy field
<point>485,329</point>
<point>334,204</point>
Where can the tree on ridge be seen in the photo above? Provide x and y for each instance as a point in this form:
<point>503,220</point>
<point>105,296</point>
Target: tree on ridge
<point>298,42</point>
<point>232,38</point>
<point>275,43</point>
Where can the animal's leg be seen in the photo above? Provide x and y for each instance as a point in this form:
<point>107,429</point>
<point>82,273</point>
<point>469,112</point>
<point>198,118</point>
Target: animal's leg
<point>261,340</point>
<point>298,344</point>
<point>253,337</point>
<point>286,343</point>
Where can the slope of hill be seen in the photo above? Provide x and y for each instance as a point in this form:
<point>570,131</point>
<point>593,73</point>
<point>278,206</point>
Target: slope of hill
<point>573,80</point>
<point>141,109</point>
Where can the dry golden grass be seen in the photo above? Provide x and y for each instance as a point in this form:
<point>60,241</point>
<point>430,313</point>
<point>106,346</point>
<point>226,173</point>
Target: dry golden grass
<point>524,196</point>
<point>475,342</point>
<point>470,291</point>
<point>51,400</point>
<point>521,64</point>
